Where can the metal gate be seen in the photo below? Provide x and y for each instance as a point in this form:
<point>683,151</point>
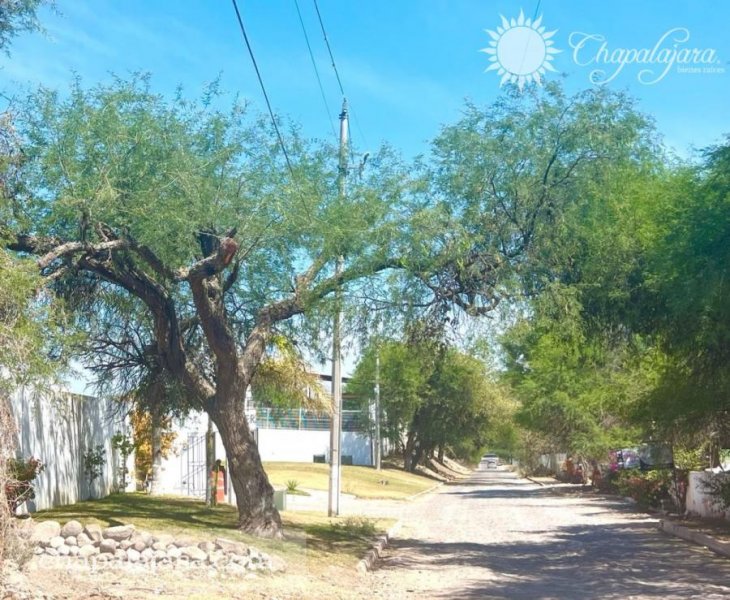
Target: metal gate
<point>193,476</point>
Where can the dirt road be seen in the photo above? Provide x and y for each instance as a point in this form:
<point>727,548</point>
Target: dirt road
<point>498,536</point>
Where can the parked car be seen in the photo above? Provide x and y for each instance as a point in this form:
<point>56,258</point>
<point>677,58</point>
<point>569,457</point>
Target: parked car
<point>491,460</point>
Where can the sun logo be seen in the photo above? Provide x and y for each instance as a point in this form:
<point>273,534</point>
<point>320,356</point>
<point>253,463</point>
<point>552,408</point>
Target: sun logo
<point>520,51</point>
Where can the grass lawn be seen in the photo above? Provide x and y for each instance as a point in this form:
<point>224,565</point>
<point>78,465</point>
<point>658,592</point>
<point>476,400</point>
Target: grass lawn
<point>311,539</point>
<point>364,482</point>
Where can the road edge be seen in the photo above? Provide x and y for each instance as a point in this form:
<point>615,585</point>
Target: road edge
<point>423,492</point>
<point>366,563</point>
<point>696,537</point>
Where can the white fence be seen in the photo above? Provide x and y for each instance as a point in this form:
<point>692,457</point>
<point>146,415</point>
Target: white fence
<point>699,502</point>
<point>292,445</point>
<point>58,428</point>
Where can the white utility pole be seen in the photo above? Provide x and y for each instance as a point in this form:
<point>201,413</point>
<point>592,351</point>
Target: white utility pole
<point>333,509</point>
<point>378,445</point>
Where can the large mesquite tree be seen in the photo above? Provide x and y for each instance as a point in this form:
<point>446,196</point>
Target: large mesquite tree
<point>184,243</point>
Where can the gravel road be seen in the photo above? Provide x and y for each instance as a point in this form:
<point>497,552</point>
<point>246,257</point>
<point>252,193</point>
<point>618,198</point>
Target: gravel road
<point>497,536</point>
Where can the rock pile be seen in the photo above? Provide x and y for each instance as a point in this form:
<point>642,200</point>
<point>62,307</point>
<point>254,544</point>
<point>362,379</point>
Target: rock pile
<point>125,544</point>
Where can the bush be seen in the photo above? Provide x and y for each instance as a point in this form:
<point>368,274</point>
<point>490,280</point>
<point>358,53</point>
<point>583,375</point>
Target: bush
<point>20,475</point>
<point>361,526</point>
<point>292,485</point>
<point>647,488</point>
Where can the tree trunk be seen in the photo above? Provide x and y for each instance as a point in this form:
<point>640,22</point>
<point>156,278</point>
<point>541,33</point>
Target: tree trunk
<point>441,454</point>
<point>156,427</point>
<point>254,495</point>
<point>408,451</point>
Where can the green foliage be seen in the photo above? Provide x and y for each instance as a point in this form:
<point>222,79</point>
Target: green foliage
<point>356,526</point>
<point>17,16</point>
<point>124,445</point>
<point>439,396</point>
<point>94,461</point>
<point>649,488</point>
<point>292,485</point>
<point>18,485</point>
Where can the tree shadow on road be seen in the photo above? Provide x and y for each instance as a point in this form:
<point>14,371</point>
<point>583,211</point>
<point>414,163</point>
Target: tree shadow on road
<point>614,561</point>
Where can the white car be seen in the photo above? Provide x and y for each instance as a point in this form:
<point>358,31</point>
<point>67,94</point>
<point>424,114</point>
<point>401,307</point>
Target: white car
<point>491,460</point>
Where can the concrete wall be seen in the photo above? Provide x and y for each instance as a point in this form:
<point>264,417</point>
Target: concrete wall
<point>699,502</point>
<point>292,445</point>
<point>180,472</point>
<point>58,428</point>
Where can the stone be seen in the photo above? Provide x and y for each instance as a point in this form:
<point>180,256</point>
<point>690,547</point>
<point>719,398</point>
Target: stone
<point>72,528</point>
<point>56,541</point>
<point>139,545</point>
<point>147,554</point>
<point>207,546</point>
<point>38,550</point>
<point>51,551</point>
<point>120,554</point>
<point>44,531</point>
<point>193,553</point>
<point>71,541</point>
<point>63,550</point>
<point>126,544</point>
<point>82,539</point>
<point>73,550</point>
<point>88,550</point>
<point>159,546</point>
<point>94,532</point>
<point>173,552</point>
<point>230,546</point>
<point>160,555</point>
<point>107,546</point>
<point>132,555</point>
<point>164,538</point>
<point>104,558</point>
<point>277,565</point>
<point>215,557</point>
<point>185,541</point>
<point>119,532</point>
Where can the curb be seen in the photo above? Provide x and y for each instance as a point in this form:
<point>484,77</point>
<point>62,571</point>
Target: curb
<point>431,489</point>
<point>696,537</point>
<point>367,562</point>
<point>540,483</point>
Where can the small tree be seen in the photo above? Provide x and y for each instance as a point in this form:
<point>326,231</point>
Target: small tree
<point>124,445</point>
<point>94,460</point>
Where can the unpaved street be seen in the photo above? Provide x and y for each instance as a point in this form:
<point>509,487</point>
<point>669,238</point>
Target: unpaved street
<point>497,536</point>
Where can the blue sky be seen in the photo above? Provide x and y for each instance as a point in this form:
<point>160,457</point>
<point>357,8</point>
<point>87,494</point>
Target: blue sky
<point>406,65</point>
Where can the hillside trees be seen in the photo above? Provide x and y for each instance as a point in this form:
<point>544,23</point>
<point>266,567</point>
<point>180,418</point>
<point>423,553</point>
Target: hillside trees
<point>432,397</point>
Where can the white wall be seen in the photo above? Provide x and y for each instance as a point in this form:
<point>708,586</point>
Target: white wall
<point>299,445</point>
<point>699,502</point>
<point>58,428</point>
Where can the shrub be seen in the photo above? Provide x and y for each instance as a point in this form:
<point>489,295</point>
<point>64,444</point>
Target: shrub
<point>19,484</point>
<point>362,526</point>
<point>647,488</point>
<point>292,485</point>
<point>94,460</point>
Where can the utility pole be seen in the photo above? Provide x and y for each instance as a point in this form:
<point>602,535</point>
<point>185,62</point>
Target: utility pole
<point>378,445</point>
<point>333,509</point>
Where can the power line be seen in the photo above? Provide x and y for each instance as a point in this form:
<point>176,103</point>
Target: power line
<point>326,41</point>
<point>263,88</point>
<point>337,73</point>
<point>316,70</point>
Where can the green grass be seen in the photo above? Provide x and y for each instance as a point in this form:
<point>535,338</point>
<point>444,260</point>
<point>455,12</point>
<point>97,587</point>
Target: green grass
<point>363,482</point>
<point>311,539</point>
